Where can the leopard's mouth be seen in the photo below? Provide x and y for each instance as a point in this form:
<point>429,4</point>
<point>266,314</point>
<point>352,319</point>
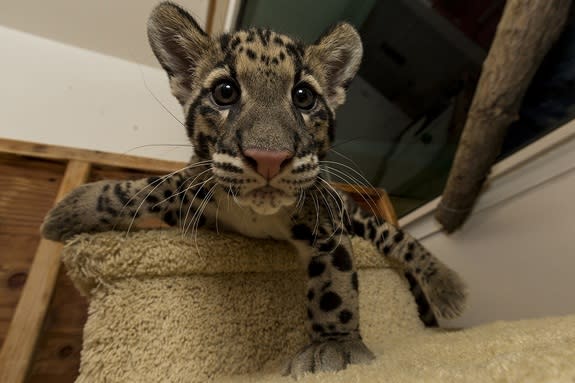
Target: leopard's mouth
<point>266,200</point>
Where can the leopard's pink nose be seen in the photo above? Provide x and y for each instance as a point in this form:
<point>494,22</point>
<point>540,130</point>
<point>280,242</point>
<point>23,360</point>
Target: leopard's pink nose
<point>268,163</point>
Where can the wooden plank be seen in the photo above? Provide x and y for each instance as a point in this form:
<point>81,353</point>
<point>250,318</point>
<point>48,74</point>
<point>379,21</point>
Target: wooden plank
<point>64,153</point>
<point>210,18</point>
<point>58,350</point>
<point>29,187</point>
<point>371,199</point>
<point>24,330</point>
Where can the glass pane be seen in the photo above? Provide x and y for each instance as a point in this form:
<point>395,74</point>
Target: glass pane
<point>407,107</point>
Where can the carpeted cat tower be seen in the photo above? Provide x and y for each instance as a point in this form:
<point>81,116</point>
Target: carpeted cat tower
<point>221,307</point>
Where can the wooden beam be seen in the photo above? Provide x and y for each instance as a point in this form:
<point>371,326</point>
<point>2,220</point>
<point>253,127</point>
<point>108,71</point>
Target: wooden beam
<point>525,33</point>
<point>210,16</point>
<point>375,200</point>
<point>218,17</point>
<point>18,348</point>
<point>63,153</point>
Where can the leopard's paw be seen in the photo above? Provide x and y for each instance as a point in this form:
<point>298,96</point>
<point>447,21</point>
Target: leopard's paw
<point>76,213</point>
<point>447,293</point>
<point>328,356</point>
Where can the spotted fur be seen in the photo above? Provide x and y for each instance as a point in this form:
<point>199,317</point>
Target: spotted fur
<point>222,186</point>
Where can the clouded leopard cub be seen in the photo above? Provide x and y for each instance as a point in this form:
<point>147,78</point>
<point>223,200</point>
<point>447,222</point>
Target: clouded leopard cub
<point>260,110</point>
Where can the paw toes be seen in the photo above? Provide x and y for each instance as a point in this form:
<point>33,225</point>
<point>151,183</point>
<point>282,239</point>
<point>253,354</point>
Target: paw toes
<point>448,295</point>
<point>328,356</point>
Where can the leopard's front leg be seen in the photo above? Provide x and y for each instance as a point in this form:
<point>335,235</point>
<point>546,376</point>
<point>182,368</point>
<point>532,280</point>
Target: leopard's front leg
<point>116,205</point>
<point>332,303</point>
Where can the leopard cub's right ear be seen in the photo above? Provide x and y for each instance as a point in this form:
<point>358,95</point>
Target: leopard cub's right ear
<point>178,43</point>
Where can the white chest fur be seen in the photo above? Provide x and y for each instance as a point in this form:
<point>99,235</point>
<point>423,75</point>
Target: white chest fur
<point>242,220</point>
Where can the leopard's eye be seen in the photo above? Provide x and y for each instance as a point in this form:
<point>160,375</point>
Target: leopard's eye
<point>225,93</point>
<point>303,97</point>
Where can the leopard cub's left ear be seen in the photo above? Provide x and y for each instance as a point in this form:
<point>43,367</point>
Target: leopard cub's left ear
<point>337,55</point>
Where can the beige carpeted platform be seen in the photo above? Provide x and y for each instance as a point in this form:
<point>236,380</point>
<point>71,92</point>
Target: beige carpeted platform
<point>169,309</point>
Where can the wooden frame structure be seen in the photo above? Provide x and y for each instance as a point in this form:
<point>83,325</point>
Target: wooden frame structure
<point>32,272</point>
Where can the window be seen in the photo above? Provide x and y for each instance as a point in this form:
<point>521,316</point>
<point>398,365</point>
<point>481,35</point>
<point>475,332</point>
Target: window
<point>407,107</point>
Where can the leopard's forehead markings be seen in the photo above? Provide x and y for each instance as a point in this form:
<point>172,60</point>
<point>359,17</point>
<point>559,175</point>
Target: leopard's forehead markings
<point>262,52</point>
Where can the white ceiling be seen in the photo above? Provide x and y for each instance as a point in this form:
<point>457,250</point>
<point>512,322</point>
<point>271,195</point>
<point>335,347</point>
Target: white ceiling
<point>113,27</point>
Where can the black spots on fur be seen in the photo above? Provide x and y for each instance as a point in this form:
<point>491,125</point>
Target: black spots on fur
<point>266,60</point>
<point>100,206</point>
<point>341,259</point>
<point>282,56</point>
<point>235,42</point>
<point>398,237</point>
<point>264,36</point>
<point>203,142</point>
<point>122,195</point>
<point>295,49</point>
<point>201,192</point>
<point>358,228</point>
<point>170,218</point>
<point>423,307</point>
<point>309,314</point>
<point>296,55</point>
<point>153,180</point>
<point>385,234</point>
<point>386,249</point>
<point>208,111</point>
<point>275,61</point>
<point>106,188</point>
<point>410,246</point>
<point>191,117</point>
<point>317,328</point>
<point>315,267</point>
<point>345,316</point>
<point>278,41</point>
<point>154,203</point>
<point>251,36</point>
<point>302,232</point>
<point>408,257</point>
<point>225,41</point>
<point>251,54</point>
<point>169,195</point>
<point>372,234</point>
<point>329,301</point>
<point>310,295</point>
<point>326,247</point>
<point>354,281</point>
<point>152,199</point>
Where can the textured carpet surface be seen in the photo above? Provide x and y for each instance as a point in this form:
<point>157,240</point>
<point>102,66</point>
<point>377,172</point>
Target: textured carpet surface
<point>169,309</point>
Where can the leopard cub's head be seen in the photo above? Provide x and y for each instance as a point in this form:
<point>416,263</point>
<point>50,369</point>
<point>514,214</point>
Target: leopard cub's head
<point>258,105</point>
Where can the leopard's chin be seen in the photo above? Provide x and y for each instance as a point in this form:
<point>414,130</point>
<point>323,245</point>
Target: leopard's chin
<point>266,200</point>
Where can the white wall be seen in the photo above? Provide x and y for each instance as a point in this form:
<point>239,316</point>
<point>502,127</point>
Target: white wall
<point>516,251</point>
<point>59,94</point>
<point>113,27</point>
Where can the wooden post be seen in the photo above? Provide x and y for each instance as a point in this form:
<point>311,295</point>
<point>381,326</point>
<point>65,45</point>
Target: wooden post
<point>525,33</point>
<point>24,331</point>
